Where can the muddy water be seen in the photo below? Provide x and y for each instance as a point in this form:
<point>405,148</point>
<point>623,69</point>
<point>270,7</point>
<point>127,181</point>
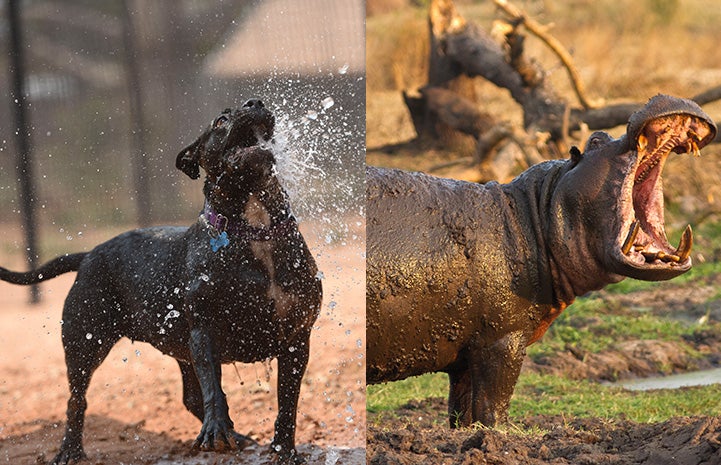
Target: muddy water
<point>694,378</point>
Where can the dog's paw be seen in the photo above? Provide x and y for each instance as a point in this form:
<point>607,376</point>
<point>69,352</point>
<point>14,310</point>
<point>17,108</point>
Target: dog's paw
<point>214,437</point>
<point>68,456</point>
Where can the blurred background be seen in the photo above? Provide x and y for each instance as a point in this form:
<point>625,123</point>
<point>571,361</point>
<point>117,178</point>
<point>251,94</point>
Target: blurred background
<point>115,89</point>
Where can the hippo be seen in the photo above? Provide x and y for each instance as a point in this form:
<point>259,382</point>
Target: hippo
<point>462,277</point>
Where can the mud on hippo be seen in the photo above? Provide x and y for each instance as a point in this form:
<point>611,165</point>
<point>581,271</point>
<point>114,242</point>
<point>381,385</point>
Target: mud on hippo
<point>462,277</point>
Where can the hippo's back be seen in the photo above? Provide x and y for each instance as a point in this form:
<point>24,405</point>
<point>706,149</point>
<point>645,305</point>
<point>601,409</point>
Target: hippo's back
<point>429,243</point>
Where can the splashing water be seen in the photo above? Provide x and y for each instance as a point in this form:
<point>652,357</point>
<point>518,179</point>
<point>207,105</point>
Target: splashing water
<point>319,148</point>
<point>313,171</point>
<point>297,164</point>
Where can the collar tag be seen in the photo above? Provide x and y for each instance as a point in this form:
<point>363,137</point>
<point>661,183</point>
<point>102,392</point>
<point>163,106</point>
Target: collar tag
<point>217,243</point>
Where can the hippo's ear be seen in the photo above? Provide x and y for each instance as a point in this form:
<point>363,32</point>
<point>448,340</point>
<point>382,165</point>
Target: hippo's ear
<point>188,160</point>
<point>576,155</point>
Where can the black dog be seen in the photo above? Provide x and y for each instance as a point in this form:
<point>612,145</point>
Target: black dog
<point>238,285</point>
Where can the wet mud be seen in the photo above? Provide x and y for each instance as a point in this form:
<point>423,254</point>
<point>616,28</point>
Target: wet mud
<point>412,435</point>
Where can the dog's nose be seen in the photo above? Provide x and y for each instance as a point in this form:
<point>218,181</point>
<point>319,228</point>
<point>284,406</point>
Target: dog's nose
<point>254,103</point>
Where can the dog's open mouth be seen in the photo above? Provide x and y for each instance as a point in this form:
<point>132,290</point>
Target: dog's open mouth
<point>645,244</point>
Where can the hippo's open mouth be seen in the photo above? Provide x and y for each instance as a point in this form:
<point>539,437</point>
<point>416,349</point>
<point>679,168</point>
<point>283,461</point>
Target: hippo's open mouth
<point>645,246</point>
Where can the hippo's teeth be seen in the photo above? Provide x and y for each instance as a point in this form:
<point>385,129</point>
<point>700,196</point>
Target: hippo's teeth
<point>631,237</point>
<point>694,149</point>
<point>660,255</point>
<point>642,143</point>
<point>685,244</point>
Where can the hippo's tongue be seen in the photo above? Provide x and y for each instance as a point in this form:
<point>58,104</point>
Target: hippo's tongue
<point>646,238</point>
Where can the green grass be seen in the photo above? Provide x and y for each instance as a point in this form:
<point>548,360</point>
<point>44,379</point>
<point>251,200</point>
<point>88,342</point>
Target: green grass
<point>389,396</point>
<point>593,324</point>
<point>552,395</point>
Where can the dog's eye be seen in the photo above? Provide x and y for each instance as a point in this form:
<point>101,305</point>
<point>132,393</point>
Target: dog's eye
<point>220,121</point>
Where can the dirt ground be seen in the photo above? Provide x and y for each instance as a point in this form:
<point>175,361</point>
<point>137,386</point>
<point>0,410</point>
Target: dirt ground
<point>135,411</point>
<point>412,436</point>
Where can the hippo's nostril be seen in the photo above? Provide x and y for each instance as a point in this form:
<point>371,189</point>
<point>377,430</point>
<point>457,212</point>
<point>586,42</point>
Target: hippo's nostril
<point>254,103</point>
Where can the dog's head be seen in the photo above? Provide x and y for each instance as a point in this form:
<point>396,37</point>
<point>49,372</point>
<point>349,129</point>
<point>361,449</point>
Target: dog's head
<point>228,134</point>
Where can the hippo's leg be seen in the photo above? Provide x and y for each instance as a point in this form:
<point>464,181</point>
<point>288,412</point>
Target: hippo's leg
<point>460,398</point>
<point>493,371</point>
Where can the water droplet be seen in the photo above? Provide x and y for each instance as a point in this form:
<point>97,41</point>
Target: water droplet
<point>89,336</point>
<point>343,69</point>
<point>291,349</point>
<point>172,314</point>
<point>205,277</point>
<point>327,103</point>
<point>312,115</point>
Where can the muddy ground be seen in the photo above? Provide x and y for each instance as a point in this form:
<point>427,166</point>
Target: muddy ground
<point>135,411</point>
<point>412,436</point>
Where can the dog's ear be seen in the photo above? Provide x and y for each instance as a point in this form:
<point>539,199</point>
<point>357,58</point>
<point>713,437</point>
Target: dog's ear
<point>188,160</point>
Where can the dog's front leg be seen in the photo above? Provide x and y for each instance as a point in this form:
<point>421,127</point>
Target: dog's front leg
<point>217,431</point>
<point>291,367</point>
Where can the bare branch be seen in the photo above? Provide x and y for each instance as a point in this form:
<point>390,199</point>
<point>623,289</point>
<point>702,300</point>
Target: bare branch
<point>555,45</point>
<point>708,96</point>
<point>603,118</point>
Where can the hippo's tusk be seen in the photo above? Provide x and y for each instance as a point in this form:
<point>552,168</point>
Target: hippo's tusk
<point>631,237</point>
<point>684,246</point>
<point>641,143</point>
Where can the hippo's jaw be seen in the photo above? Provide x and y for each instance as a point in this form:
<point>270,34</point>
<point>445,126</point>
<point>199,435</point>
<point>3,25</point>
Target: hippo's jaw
<point>643,251</point>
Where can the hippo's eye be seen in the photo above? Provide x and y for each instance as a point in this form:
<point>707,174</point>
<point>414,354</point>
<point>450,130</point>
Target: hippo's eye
<point>595,141</point>
<point>221,120</point>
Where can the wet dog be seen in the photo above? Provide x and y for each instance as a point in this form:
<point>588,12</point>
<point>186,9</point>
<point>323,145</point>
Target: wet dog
<point>238,285</point>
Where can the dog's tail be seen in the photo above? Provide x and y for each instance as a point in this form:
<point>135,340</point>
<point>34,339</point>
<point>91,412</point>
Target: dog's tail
<point>51,269</point>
